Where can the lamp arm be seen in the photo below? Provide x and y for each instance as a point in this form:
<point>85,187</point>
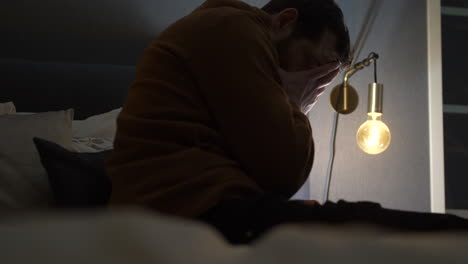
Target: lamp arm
<point>344,97</point>
<point>359,66</point>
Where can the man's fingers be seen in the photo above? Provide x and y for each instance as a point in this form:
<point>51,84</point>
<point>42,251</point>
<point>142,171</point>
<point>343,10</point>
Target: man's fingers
<point>324,70</point>
<point>327,79</point>
<point>317,87</point>
<point>313,95</point>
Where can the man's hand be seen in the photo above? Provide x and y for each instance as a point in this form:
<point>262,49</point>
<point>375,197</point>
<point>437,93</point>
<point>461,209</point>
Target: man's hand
<point>305,87</point>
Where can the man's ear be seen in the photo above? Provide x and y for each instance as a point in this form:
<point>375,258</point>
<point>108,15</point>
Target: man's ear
<point>284,22</point>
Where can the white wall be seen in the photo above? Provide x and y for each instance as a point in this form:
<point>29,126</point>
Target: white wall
<point>399,177</point>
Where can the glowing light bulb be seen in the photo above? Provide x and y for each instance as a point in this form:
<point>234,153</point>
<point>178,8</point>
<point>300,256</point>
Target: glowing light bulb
<point>373,137</point>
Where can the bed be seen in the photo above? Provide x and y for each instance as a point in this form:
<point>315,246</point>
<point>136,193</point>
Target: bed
<point>33,231</point>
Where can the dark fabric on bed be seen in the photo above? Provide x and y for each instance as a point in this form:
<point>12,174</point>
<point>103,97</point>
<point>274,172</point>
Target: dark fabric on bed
<point>78,180</point>
<point>244,221</point>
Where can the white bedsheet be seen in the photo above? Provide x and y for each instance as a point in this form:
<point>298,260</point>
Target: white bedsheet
<point>136,236</point>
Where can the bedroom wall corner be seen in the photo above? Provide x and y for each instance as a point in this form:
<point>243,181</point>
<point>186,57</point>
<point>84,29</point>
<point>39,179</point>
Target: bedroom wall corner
<point>398,178</point>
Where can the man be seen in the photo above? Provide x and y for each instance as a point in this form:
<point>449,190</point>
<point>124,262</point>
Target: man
<point>214,127</point>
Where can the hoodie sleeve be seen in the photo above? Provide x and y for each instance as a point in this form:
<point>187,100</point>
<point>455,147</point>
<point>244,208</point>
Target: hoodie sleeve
<point>235,67</point>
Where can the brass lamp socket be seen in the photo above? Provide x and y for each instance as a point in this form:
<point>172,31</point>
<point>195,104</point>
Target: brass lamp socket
<point>375,100</point>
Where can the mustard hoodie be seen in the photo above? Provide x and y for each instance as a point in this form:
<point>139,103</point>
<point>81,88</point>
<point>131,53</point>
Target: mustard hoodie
<point>207,119</point>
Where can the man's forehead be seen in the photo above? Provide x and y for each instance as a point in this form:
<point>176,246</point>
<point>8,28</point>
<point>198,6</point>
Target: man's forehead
<point>327,45</point>
<point>325,51</point>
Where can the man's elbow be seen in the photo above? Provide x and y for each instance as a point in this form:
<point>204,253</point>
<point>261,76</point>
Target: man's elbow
<point>285,186</point>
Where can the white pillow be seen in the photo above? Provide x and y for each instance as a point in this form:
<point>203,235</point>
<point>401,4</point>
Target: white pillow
<point>91,144</point>
<point>23,180</point>
<point>98,126</point>
<point>7,108</point>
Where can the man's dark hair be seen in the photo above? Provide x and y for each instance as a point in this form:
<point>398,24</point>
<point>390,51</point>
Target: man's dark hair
<point>315,17</point>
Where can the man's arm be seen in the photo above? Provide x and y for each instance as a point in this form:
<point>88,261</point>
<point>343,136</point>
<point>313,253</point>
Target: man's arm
<point>234,65</point>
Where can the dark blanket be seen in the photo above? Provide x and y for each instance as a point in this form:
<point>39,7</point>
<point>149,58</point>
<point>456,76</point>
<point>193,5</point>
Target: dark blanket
<point>243,221</point>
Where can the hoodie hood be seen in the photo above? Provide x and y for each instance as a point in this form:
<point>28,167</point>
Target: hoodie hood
<point>263,16</point>
<point>225,3</point>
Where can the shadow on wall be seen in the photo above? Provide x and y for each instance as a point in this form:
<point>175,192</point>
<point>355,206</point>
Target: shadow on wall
<point>99,31</point>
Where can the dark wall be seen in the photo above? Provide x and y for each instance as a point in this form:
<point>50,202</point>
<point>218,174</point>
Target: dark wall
<point>98,31</point>
<point>455,57</point>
